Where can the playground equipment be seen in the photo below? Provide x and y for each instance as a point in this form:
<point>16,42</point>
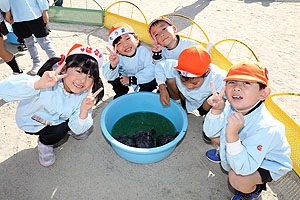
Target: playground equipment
<point>77,15</point>
<point>292,129</point>
<point>129,14</point>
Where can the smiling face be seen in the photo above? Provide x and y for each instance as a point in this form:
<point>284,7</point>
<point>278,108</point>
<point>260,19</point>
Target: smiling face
<point>243,95</point>
<point>164,33</point>
<point>76,81</point>
<point>127,44</point>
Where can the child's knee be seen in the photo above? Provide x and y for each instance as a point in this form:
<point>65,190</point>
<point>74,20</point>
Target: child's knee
<point>235,180</point>
<point>216,140</point>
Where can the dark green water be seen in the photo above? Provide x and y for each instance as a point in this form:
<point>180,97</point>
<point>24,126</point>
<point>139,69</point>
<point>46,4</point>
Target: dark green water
<point>138,121</point>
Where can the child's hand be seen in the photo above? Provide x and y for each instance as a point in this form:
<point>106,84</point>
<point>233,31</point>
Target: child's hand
<point>216,100</point>
<point>49,78</point>
<point>9,18</point>
<point>235,123</point>
<point>113,58</point>
<point>155,46</point>
<point>88,102</point>
<point>45,17</point>
<point>164,96</point>
<point>124,80</point>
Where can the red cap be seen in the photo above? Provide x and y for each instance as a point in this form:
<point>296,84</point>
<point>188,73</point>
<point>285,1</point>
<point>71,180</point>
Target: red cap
<point>194,61</point>
<point>248,71</point>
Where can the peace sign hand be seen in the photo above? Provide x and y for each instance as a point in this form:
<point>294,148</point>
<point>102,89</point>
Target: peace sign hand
<point>113,58</point>
<point>88,102</point>
<point>155,46</point>
<point>216,100</point>
<point>49,78</point>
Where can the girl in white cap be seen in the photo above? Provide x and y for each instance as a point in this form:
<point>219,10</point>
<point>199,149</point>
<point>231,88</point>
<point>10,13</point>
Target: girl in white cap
<point>59,102</point>
<point>130,64</point>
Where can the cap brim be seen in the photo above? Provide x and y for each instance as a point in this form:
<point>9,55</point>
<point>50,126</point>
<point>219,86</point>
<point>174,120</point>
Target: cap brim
<point>155,20</point>
<point>244,78</point>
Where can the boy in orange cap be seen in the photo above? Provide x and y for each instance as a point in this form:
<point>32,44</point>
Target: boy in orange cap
<point>166,45</point>
<point>193,73</point>
<point>130,64</point>
<point>253,146</point>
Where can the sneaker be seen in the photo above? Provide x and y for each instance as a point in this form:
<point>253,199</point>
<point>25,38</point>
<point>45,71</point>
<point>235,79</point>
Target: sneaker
<point>17,73</point>
<point>213,155</point>
<point>82,136</point>
<point>35,69</point>
<point>251,196</point>
<point>46,154</point>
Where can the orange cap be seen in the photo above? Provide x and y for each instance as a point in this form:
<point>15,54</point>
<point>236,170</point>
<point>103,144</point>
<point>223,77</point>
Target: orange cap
<point>194,61</point>
<point>248,71</point>
<point>117,30</point>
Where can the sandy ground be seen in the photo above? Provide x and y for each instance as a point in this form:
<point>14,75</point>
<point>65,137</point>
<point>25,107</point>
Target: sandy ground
<point>90,169</point>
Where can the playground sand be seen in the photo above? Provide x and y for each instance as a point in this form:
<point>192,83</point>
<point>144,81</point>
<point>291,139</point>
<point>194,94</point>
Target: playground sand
<point>90,169</point>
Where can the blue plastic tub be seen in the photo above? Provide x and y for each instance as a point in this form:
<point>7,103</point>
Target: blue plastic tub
<point>142,102</point>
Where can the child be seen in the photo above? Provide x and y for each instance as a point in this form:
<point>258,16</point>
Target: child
<point>166,45</point>
<point>29,17</point>
<point>129,63</point>
<point>59,102</point>
<point>253,147</point>
<point>193,74</point>
<point>8,57</point>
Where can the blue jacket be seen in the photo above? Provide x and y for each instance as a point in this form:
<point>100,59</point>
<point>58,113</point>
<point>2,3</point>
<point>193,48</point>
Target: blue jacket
<point>262,139</point>
<point>140,66</point>
<point>25,10</point>
<point>52,104</point>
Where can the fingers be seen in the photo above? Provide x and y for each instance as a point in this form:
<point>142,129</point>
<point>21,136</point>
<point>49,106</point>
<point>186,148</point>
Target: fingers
<point>97,92</point>
<point>90,89</point>
<point>213,89</point>
<point>222,91</point>
<point>110,51</point>
<point>61,76</point>
<point>58,70</point>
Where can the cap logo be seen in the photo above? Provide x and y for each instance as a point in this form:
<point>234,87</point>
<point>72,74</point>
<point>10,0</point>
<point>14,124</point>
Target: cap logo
<point>88,50</point>
<point>118,32</point>
<point>259,147</point>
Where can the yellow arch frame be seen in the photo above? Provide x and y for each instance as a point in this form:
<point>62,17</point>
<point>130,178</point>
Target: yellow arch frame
<point>222,61</point>
<point>139,27</point>
<point>292,129</point>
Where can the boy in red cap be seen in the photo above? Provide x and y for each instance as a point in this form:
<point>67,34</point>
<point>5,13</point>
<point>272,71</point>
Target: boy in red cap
<point>253,146</point>
<point>129,63</point>
<point>193,73</point>
<point>166,45</point>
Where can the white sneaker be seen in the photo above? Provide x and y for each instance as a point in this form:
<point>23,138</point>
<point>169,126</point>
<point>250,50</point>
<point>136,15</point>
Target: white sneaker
<point>82,136</point>
<point>46,154</point>
<point>35,69</point>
